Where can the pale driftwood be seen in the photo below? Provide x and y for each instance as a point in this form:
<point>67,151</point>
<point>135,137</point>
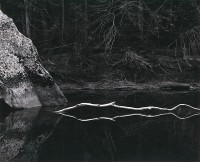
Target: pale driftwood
<point>166,111</point>
<point>87,104</point>
<point>125,107</point>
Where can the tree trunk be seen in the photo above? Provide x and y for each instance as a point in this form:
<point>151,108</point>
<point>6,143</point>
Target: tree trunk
<point>23,21</point>
<point>33,32</point>
<point>140,19</point>
<point>63,22</point>
<point>86,22</point>
<point>27,21</point>
<point>45,38</point>
<point>76,45</point>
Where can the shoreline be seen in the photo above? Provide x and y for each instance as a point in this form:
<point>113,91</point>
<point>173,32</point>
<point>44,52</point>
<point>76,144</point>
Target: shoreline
<point>126,85</point>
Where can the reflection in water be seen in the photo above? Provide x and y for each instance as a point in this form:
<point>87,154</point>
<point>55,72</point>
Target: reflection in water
<point>40,135</point>
<point>23,133</point>
<point>181,111</point>
<point>164,138</point>
<point>137,138</point>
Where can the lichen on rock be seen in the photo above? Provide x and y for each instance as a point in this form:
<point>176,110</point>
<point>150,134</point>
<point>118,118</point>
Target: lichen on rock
<point>9,65</point>
<point>24,81</point>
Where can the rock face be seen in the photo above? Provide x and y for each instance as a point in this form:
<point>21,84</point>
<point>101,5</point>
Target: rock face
<point>24,82</point>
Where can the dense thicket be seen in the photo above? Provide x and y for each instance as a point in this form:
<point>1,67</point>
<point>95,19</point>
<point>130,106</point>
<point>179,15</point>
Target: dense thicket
<point>134,36</point>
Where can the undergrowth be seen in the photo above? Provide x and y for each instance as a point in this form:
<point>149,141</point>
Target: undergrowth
<point>126,65</point>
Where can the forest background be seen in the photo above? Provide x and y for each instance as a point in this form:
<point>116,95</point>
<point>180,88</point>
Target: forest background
<point>139,41</point>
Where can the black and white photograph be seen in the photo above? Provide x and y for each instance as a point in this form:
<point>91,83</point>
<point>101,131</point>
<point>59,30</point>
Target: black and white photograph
<point>99,80</point>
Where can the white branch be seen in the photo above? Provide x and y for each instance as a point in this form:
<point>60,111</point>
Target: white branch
<point>166,111</point>
<point>87,104</point>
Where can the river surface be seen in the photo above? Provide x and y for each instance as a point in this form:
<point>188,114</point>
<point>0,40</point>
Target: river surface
<point>42,135</point>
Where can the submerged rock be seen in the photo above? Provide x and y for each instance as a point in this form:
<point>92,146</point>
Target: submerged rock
<point>24,82</point>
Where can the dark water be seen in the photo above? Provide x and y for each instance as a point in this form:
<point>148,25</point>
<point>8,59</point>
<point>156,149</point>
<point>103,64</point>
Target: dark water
<point>41,135</point>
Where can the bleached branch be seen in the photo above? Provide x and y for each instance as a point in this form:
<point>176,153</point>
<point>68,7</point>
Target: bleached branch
<point>166,111</point>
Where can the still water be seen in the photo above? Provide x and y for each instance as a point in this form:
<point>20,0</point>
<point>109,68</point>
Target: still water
<point>42,135</point>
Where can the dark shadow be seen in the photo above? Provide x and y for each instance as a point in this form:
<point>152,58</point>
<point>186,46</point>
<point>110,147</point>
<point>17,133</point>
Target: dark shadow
<point>164,138</point>
<point>25,131</point>
<point>5,110</point>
